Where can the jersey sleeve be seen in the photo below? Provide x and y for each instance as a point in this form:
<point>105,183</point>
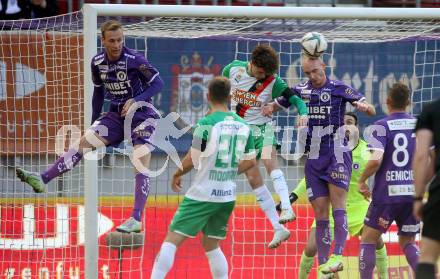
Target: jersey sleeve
<point>377,136</point>
<point>288,97</point>
<point>425,119</point>
<point>278,87</point>
<point>146,71</point>
<point>201,134</point>
<point>349,94</point>
<point>96,79</point>
<point>227,70</point>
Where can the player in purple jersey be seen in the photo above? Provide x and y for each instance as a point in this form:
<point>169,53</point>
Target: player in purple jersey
<point>129,81</point>
<point>328,166</point>
<point>392,140</point>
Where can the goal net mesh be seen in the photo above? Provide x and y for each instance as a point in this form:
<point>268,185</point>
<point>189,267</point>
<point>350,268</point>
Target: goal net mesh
<point>41,91</point>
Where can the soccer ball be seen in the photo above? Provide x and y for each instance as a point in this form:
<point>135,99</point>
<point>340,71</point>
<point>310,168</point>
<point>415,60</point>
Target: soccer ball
<point>313,44</point>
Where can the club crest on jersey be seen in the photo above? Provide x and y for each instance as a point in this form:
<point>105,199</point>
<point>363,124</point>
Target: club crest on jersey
<point>324,97</point>
<point>239,75</point>
<point>356,166</point>
<point>121,76</point>
<point>190,86</point>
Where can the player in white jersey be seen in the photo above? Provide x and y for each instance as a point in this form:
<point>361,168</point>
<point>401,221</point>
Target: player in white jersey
<point>222,148</point>
<point>255,85</point>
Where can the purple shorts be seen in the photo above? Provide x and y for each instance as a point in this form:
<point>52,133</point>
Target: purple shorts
<point>381,216</point>
<point>140,130</point>
<point>326,170</point>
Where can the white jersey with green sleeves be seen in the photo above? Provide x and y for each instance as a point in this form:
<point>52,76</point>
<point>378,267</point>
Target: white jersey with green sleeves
<point>244,100</point>
<point>228,138</point>
<point>357,206</point>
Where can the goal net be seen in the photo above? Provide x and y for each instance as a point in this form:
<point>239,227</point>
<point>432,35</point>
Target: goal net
<point>45,92</point>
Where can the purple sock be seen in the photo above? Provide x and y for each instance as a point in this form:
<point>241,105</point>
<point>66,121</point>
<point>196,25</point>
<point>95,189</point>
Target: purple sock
<point>412,254</point>
<point>140,195</point>
<point>65,163</point>
<point>367,260</point>
<point>341,231</point>
<point>323,240</point>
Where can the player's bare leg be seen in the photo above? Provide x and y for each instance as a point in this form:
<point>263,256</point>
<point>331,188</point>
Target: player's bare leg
<point>267,204</point>
<point>279,183</point>
<point>65,163</point>
<point>141,162</point>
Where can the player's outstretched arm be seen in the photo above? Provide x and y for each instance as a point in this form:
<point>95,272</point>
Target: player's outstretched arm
<point>187,165</point>
<point>372,166</point>
<point>364,106</point>
<point>97,102</point>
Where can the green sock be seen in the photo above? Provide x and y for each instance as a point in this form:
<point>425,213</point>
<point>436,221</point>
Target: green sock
<point>305,266</point>
<point>382,262</point>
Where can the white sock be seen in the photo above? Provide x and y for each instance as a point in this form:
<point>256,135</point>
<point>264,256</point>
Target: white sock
<point>280,185</point>
<point>164,260</point>
<point>264,198</point>
<point>218,264</point>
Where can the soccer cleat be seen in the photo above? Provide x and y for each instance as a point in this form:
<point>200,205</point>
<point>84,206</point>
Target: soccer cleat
<point>287,215</point>
<point>333,265</point>
<point>278,237</point>
<point>292,197</point>
<point>324,276</point>
<point>130,225</point>
<point>31,178</point>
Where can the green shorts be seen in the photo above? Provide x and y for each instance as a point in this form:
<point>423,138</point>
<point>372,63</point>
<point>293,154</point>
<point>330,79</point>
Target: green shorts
<point>264,135</point>
<point>355,218</point>
<point>209,217</point>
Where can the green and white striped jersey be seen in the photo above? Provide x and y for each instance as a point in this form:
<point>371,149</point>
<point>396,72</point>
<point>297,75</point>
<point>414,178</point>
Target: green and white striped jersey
<point>228,138</point>
<point>249,94</point>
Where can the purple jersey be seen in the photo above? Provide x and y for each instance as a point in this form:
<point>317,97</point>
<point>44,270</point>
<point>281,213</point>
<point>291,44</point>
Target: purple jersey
<point>326,106</point>
<point>131,76</point>
<point>393,182</point>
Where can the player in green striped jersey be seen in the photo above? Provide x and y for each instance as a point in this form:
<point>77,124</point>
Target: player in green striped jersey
<point>357,207</point>
<point>222,148</point>
<point>254,88</point>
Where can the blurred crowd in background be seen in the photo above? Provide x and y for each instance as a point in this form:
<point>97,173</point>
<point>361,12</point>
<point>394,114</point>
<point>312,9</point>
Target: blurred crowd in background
<point>20,9</point>
<point>28,9</point>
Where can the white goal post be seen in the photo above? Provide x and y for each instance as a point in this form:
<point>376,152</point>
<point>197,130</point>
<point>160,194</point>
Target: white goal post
<point>409,22</point>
